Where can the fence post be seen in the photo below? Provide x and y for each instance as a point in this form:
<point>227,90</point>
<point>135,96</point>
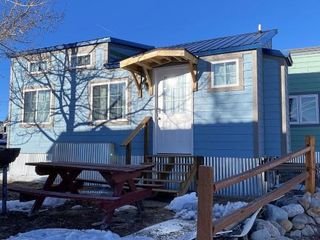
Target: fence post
<point>205,203</point>
<point>128,153</point>
<point>311,165</point>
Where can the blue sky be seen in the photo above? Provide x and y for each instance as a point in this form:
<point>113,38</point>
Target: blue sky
<point>168,22</point>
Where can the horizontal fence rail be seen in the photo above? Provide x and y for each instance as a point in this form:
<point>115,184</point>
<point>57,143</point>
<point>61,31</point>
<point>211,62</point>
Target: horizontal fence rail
<point>206,228</point>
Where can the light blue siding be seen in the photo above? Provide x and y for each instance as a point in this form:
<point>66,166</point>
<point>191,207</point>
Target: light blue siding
<point>272,106</point>
<point>223,121</point>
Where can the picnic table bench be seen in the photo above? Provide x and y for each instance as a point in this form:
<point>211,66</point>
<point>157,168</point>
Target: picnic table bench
<point>116,176</point>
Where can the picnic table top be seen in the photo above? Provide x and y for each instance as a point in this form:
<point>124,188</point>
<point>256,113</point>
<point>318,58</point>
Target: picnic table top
<point>91,166</point>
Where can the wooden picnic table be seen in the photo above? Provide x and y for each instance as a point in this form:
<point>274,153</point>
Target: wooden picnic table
<point>116,176</point>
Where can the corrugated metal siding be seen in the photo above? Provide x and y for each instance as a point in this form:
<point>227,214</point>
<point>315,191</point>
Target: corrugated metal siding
<point>18,169</point>
<point>226,167</point>
<point>102,153</point>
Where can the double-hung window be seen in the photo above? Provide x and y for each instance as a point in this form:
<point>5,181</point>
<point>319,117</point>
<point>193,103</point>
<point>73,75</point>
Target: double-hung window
<point>304,109</point>
<point>38,66</point>
<point>80,61</point>
<point>225,73</point>
<point>37,106</point>
<point>109,101</point>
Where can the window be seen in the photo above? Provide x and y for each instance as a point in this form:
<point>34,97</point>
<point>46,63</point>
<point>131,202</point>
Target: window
<point>36,106</point>
<point>39,66</point>
<point>225,73</point>
<point>78,61</point>
<point>109,101</point>
<point>304,109</point>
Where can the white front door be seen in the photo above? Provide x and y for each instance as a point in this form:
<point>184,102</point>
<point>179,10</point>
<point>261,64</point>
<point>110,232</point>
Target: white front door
<point>174,114</point>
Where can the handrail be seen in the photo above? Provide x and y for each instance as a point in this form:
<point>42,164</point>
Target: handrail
<point>127,142</point>
<point>135,132</point>
<point>257,170</point>
<point>206,228</point>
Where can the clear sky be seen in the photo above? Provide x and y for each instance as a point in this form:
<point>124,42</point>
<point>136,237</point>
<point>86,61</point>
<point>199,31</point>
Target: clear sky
<point>166,22</point>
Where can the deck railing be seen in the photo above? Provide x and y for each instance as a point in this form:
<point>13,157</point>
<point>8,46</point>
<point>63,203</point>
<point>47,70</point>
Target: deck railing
<point>206,228</point>
<point>127,143</point>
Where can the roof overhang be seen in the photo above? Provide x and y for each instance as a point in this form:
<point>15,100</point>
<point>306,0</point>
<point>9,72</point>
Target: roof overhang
<point>143,64</point>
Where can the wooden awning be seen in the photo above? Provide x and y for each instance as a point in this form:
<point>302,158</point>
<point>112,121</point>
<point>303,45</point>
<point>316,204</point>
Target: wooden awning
<point>143,64</point>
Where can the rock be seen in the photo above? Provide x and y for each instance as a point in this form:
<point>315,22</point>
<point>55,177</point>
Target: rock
<point>261,234</point>
<point>76,207</point>
<point>262,224</point>
<point>295,234</point>
<point>283,238</point>
<point>275,213</point>
<point>281,230</point>
<point>316,195</point>
<point>293,209</point>
<point>305,201</point>
<point>301,220</point>
<point>289,199</point>
<point>314,209</point>
<point>308,231</point>
<point>317,220</point>
<point>286,224</point>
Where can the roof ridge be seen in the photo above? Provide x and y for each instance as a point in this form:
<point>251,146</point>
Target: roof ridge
<point>220,38</point>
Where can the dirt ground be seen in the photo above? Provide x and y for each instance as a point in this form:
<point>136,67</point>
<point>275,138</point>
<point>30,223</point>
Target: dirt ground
<point>123,222</point>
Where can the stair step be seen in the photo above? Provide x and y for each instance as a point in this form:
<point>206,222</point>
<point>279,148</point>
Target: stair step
<point>165,190</point>
<point>158,180</point>
<point>166,172</point>
<point>163,164</point>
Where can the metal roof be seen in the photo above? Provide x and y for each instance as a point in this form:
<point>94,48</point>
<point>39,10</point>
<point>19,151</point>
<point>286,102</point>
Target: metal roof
<point>81,44</point>
<point>239,42</point>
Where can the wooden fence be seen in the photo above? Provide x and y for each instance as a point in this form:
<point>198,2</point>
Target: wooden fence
<point>206,228</point>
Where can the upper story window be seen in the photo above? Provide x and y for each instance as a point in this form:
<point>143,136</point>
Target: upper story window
<point>80,61</point>
<point>109,101</point>
<point>38,66</point>
<point>225,73</point>
<point>304,109</point>
<point>36,106</point>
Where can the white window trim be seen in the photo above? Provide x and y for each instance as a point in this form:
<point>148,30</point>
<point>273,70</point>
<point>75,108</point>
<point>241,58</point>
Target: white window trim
<point>299,97</point>
<point>236,60</point>
<point>109,82</point>
<point>38,72</point>
<point>50,109</point>
<point>80,55</point>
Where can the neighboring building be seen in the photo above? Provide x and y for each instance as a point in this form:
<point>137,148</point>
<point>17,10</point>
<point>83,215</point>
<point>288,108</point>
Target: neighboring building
<point>217,97</point>
<point>304,89</point>
<point>3,134</point>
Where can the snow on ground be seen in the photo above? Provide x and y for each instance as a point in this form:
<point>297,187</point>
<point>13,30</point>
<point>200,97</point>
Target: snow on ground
<point>174,229</point>
<point>66,234</point>
<point>186,206</point>
<point>17,206</point>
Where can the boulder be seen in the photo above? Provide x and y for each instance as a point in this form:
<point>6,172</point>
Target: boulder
<point>286,225</point>
<point>261,234</point>
<point>284,238</point>
<point>316,195</point>
<point>305,201</point>
<point>295,234</point>
<point>262,224</point>
<point>289,199</point>
<point>308,231</point>
<point>281,230</point>
<point>314,209</point>
<point>301,220</point>
<point>317,220</point>
<point>293,209</point>
<point>274,213</point>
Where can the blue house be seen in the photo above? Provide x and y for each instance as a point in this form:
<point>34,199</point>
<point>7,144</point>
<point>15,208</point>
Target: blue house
<point>222,97</point>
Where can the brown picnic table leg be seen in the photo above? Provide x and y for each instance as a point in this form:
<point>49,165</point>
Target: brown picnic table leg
<point>132,188</point>
<point>68,183</point>
<point>39,200</point>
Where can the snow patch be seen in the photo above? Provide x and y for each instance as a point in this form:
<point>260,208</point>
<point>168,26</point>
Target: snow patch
<point>17,206</point>
<point>186,206</point>
<point>67,234</point>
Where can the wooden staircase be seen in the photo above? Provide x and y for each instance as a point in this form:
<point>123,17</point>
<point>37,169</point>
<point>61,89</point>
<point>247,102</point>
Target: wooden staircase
<point>171,173</point>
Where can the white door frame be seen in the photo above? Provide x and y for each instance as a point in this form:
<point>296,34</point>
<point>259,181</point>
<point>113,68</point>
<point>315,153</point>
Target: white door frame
<point>155,113</point>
